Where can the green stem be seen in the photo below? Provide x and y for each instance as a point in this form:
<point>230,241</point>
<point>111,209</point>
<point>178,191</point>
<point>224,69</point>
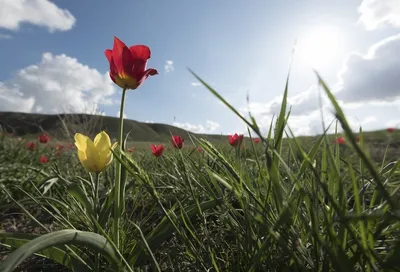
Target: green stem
<point>96,203</point>
<point>96,195</point>
<point>117,187</point>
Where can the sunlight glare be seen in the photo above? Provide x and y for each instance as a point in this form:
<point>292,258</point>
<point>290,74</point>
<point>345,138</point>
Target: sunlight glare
<point>319,46</point>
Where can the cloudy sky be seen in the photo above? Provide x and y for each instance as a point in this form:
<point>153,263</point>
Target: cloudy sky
<point>52,59</point>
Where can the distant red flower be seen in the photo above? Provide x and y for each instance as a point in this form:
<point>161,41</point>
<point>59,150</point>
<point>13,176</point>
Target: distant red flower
<point>157,150</point>
<point>44,159</point>
<point>31,146</point>
<point>177,141</point>
<point>72,145</point>
<point>130,150</point>
<point>199,149</point>
<point>44,138</point>
<point>256,140</point>
<point>235,140</point>
<point>390,129</point>
<point>339,140</point>
<point>58,153</point>
<point>60,147</point>
<point>128,65</point>
<point>357,138</point>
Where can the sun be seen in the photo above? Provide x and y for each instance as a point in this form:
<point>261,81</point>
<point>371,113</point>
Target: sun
<point>318,46</point>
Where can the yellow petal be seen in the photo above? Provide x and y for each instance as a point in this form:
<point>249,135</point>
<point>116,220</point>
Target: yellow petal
<point>102,141</point>
<point>80,141</point>
<point>87,152</point>
<point>86,163</point>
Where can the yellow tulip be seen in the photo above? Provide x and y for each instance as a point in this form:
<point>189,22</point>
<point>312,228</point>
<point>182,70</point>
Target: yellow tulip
<point>95,155</point>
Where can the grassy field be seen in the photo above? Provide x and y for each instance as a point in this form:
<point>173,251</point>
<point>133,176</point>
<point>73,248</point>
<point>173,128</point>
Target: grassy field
<point>284,204</point>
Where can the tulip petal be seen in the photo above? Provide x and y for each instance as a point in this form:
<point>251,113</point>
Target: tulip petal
<point>122,57</point>
<point>141,52</point>
<point>102,141</point>
<point>146,74</point>
<point>108,54</point>
<point>112,77</point>
<point>89,165</point>
<point>102,145</point>
<point>80,141</point>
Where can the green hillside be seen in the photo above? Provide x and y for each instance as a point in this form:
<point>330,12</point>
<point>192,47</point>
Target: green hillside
<point>64,126</point>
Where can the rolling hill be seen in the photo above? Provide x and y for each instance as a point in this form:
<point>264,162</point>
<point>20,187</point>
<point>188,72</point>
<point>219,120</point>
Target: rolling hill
<point>64,126</point>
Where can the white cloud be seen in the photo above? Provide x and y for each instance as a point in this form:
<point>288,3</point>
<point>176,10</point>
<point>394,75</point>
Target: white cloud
<point>395,123</point>
<point>196,84</point>
<point>190,127</point>
<point>5,36</point>
<point>119,112</point>
<point>169,66</point>
<point>209,127</point>
<point>56,84</point>
<point>376,13</point>
<point>37,12</point>
<point>374,76</point>
<point>149,121</point>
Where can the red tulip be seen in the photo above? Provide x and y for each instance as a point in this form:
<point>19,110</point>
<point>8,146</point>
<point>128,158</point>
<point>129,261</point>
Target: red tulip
<point>236,139</point>
<point>256,140</point>
<point>157,150</point>
<point>44,159</point>
<point>177,141</point>
<point>31,146</point>
<point>339,140</point>
<point>60,147</point>
<point>44,138</point>
<point>390,129</point>
<point>128,65</point>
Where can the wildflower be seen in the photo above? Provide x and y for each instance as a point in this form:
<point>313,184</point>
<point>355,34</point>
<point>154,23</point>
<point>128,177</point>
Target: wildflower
<point>95,155</point>
<point>31,146</point>
<point>339,140</point>
<point>177,141</point>
<point>60,147</point>
<point>235,140</point>
<point>58,153</point>
<point>357,138</point>
<point>390,129</point>
<point>44,159</point>
<point>128,65</point>
<point>157,150</point>
<point>199,149</point>
<point>256,140</point>
<point>130,150</point>
<point>44,138</point>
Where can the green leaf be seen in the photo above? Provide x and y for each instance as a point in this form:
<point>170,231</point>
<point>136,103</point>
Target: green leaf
<point>47,184</point>
<point>61,237</point>
<point>16,240</point>
<point>78,193</point>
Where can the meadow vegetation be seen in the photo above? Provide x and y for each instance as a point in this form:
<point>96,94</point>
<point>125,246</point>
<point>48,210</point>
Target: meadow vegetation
<point>278,203</point>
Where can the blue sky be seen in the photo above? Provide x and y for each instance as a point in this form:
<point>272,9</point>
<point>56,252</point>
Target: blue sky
<point>53,59</point>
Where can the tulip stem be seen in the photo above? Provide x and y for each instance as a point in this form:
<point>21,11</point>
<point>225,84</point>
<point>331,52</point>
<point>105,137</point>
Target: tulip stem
<point>96,201</point>
<point>117,188</point>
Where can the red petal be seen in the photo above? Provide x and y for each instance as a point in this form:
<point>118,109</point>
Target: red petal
<point>108,54</point>
<point>146,74</point>
<point>112,78</point>
<point>140,52</point>
<point>122,57</point>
